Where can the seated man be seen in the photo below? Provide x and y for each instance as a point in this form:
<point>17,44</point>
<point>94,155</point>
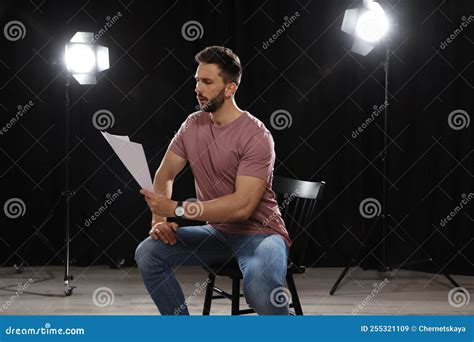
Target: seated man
<point>231,155</point>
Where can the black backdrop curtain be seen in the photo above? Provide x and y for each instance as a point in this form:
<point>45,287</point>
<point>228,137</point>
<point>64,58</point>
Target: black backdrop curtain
<point>305,69</point>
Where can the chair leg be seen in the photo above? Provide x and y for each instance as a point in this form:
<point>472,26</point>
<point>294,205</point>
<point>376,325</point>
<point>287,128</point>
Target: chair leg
<point>211,278</point>
<point>294,295</point>
<point>235,296</point>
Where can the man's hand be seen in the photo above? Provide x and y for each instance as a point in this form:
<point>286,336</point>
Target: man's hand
<point>165,231</point>
<point>159,205</point>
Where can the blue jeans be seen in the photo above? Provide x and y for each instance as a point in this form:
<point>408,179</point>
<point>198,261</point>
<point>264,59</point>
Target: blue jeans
<point>262,259</point>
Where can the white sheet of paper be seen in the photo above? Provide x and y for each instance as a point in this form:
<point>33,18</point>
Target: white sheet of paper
<point>133,157</point>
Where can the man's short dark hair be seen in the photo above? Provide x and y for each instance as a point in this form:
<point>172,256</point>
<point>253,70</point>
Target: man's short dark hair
<point>225,58</point>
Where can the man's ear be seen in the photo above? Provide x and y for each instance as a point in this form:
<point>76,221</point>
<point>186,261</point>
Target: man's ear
<point>230,89</point>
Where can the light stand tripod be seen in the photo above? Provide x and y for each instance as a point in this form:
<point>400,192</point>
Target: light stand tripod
<point>84,59</point>
<point>384,215</point>
<point>66,195</point>
<point>68,289</point>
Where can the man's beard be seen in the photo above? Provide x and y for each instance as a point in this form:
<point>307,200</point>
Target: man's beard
<point>215,103</point>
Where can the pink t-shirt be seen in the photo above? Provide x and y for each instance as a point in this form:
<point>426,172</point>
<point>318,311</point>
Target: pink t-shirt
<point>218,154</point>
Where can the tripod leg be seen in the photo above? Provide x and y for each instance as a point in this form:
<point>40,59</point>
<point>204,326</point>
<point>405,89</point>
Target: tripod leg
<point>430,259</point>
<point>355,258</point>
<point>353,262</point>
<point>26,248</point>
<point>341,276</point>
<point>455,284</point>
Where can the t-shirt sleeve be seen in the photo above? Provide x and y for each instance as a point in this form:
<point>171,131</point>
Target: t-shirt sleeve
<point>258,157</point>
<point>177,143</point>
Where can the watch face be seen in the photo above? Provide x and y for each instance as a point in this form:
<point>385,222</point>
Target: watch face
<point>179,211</point>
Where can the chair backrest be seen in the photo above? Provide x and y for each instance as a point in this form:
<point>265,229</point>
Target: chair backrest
<point>297,202</point>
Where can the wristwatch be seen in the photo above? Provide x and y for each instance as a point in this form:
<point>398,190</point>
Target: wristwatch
<point>179,211</point>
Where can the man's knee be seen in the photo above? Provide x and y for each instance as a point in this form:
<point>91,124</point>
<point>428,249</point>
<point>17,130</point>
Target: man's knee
<point>146,255</point>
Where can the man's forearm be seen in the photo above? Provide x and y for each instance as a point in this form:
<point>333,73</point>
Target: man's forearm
<point>233,207</point>
<point>164,186</point>
<point>228,208</point>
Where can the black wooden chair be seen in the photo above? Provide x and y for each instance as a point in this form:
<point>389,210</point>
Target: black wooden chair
<point>298,212</point>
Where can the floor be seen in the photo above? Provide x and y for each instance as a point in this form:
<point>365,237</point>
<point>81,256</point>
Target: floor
<point>104,291</point>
